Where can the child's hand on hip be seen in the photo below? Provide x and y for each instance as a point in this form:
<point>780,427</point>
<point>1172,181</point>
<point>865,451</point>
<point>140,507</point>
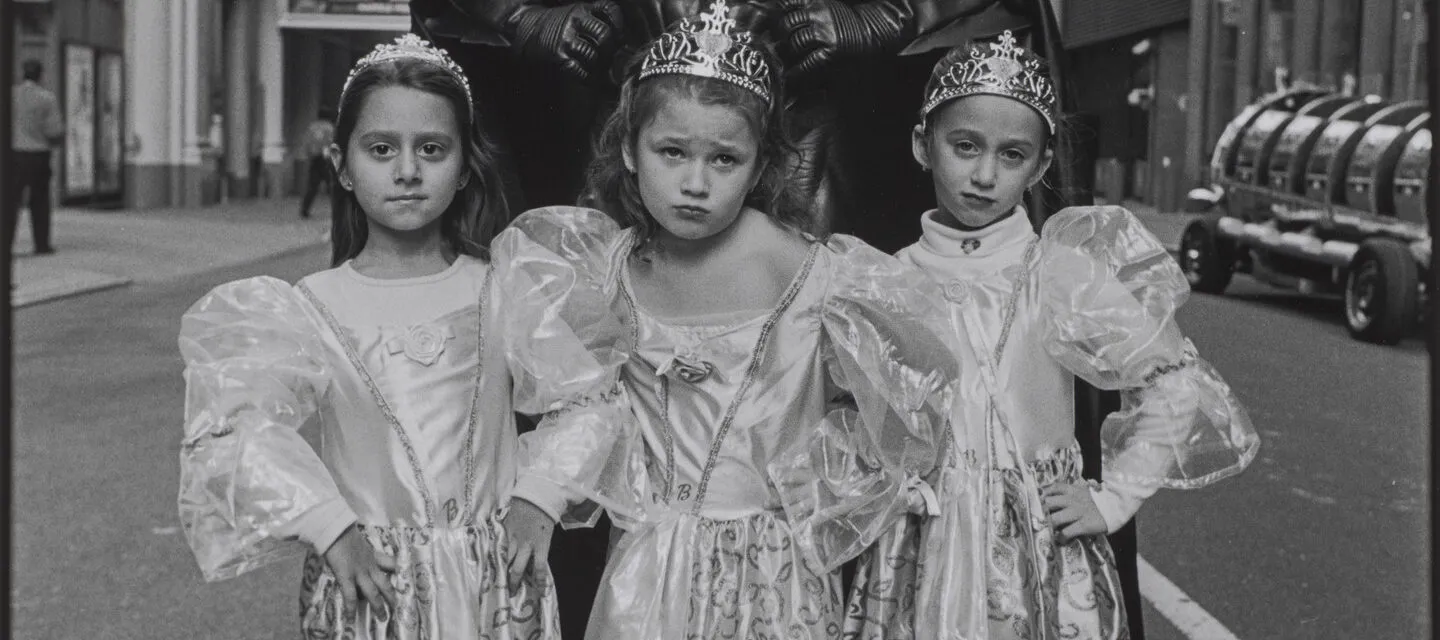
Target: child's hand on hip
<point>1072,511</point>
<point>358,567</point>
<point>528,530</point>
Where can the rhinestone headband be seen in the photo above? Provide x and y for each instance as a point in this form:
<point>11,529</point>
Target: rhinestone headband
<point>996,68</point>
<point>712,47</point>
<point>410,47</point>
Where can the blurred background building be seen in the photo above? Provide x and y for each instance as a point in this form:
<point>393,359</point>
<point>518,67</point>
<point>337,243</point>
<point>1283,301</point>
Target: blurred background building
<point>1157,80</point>
<point>192,102</point>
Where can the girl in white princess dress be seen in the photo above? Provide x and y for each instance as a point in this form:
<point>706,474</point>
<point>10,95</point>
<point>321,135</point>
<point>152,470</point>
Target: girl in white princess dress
<point>417,510</point>
<point>1092,295</point>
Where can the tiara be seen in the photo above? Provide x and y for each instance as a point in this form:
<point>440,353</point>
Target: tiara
<point>712,47</point>
<point>997,68</point>
<point>410,47</point>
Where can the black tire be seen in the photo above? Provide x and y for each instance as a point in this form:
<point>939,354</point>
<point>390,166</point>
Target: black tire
<point>1207,259</point>
<point>1382,292</point>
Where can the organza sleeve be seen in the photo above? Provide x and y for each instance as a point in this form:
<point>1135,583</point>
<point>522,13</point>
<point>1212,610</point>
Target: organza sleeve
<point>565,345</point>
<point>254,374</point>
<point>1111,291</point>
<point>850,477</point>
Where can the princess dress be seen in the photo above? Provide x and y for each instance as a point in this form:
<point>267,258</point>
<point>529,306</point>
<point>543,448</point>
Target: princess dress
<point>418,443</point>
<point>1093,295</point>
<point>769,447</point>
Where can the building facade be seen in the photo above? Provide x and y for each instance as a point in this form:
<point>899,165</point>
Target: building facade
<point>221,88</point>
<point>192,102</point>
<point>1157,80</point>
<point>81,45</point>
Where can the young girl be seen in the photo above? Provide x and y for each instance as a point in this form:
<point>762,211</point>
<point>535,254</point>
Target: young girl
<point>744,491</point>
<point>405,354</point>
<point>1093,295</point>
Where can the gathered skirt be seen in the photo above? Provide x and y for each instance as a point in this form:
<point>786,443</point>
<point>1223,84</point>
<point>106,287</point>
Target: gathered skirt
<point>448,583</point>
<point>1036,588</point>
<point>691,577</point>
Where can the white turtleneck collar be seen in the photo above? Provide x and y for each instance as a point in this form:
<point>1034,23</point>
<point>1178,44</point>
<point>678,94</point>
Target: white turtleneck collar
<point>941,251</point>
<point>946,241</point>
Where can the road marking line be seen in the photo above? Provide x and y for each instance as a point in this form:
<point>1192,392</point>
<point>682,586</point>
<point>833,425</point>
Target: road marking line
<point>1188,616</point>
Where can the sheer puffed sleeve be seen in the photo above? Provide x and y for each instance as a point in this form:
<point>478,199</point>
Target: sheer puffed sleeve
<point>1111,291</point>
<point>856,473</point>
<point>254,374</point>
<point>565,346</point>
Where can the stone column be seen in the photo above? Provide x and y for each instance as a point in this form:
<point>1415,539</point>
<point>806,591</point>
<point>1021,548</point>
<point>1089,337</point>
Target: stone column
<point>189,130</point>
<point>239,37</point>
<point>149,96</point>
<point>271,53</point>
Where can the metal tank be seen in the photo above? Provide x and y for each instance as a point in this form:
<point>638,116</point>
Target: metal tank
<point>1322,193</point>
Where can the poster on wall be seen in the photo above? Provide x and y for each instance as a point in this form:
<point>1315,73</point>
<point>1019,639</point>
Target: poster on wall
<point>109,153</point>
<point>366,7</point>
<point>79,120</point>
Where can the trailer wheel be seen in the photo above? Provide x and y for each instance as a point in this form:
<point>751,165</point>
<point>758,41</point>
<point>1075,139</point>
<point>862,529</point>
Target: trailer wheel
<point>1381,292</point>
<point>1206,258</point>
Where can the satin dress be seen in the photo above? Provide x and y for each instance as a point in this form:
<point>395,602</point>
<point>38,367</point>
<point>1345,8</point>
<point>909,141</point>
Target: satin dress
<point>1093,295</point>
<point>768,447</point>
<point>418,443</point>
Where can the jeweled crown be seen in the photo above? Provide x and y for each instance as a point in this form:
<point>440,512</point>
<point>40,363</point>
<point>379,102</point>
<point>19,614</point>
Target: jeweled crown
<point>410,47</point>
<point>997,68</point>
<point>711,47</point>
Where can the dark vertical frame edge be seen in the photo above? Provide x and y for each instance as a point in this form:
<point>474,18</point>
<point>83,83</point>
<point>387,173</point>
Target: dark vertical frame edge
<point>7,326</point>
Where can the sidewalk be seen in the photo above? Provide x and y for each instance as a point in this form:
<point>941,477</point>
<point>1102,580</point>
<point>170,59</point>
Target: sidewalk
<point>102,249</point>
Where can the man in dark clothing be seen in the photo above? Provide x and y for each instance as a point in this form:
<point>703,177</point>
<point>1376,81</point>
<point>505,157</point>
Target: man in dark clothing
<point>38,127</point>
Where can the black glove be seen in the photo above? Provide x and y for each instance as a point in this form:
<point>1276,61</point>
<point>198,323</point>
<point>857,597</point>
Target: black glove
<point>814,32</point>
<point>579,37</point>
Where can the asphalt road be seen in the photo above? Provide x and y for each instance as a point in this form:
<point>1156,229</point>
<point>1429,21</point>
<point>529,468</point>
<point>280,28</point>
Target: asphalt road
<point>1327,534</point>
<point>1325,537</point>
<point>98,550</point>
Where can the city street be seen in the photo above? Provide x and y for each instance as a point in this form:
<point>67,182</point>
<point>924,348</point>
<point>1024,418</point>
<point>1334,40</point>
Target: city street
<point>1324,537</point>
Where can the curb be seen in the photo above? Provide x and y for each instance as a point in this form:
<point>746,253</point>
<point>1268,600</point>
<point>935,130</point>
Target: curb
<point>78,282</point>
<point>83,283</point>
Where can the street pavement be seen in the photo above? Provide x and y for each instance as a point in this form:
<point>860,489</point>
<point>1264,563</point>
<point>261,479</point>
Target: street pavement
<point>97,545</point>
<point>97,250</point>
<point>1324,537</point>
<point>1327,534</point>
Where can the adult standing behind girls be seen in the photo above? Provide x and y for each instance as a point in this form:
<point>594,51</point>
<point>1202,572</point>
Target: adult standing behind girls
<point>770,372</point>
<point>1092,295</point>
<point>411,354</point>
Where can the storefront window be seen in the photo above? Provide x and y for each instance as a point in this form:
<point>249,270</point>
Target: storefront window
<point>79,98</point>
